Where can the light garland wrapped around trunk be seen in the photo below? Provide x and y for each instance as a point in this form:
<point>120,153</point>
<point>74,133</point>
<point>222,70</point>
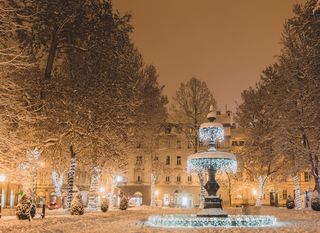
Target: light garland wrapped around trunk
<point>297,197</point>
<point>71,175</point>
<point>262,181</point>
<point>152,189</point>
<point>94,185</point>
<point>57,182</point>
<point>112,196</point>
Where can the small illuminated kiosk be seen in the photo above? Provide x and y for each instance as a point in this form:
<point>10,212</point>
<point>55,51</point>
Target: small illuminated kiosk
<point>212,161</point>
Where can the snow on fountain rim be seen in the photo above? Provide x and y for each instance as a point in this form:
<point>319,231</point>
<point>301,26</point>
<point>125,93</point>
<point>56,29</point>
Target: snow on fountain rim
<point>187,221</point>
<point>212,155</point>
<point>211,125</point>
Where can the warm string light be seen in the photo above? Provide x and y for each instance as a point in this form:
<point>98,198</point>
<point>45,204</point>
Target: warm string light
<point>178,221</point>
<point>203,164</point>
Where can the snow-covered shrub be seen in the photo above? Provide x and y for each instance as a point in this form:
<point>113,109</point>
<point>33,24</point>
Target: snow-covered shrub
<point>123,203</point>
<point>25,209</point>
<point>290,202</point>
<point>76,205</point>
<point>104,205</point>
<point>315,203</point>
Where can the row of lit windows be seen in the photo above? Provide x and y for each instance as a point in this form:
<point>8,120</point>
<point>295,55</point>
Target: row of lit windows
<point>178,161</point>
<point>167,179</point>
<point>237,143</point>
<point>167,162</point>
<point>178,179</point>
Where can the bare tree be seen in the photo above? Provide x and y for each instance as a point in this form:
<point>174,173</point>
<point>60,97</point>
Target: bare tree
<point>190,107</point>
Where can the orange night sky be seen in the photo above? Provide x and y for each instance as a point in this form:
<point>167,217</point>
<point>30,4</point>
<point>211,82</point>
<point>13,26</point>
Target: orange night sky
<point>226,43</point>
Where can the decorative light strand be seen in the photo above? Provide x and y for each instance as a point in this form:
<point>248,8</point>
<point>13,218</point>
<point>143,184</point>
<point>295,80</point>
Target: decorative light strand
<point>203,164</point>
<point>211,134</point>
<point>178,221</point>
<point>57,182</point>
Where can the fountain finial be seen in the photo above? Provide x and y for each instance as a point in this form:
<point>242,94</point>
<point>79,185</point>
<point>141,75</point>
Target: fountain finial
<point>211,115</point>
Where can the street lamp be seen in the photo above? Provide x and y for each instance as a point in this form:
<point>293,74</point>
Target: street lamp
<point>254,192</point>
<point>2,178</point>
<point>156,193</point>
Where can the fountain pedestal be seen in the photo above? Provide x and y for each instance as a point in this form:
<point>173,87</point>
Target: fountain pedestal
<point>212,203</point>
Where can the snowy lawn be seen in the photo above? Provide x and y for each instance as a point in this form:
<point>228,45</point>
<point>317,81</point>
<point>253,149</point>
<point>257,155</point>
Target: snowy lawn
<point>132,220</point>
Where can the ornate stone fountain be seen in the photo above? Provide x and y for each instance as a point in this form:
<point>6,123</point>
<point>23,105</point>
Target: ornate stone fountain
<point>211,161</point>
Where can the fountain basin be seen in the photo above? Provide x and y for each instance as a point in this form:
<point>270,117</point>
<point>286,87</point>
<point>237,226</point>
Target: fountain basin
<point>216,160</point>
<point>181,221</point>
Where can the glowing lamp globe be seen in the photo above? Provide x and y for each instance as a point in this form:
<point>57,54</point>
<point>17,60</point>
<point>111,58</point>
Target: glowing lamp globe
<point>2,178</point>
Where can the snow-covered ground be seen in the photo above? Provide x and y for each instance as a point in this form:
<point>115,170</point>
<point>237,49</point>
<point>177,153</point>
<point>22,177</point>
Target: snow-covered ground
<point>132,221</point>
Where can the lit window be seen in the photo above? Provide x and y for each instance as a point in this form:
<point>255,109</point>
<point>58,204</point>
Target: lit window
<point>178,160</point>
<point>234,143</point>
<point>307,176</point>
<point>241,143</point>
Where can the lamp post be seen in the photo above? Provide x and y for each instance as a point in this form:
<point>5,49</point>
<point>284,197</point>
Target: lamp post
<point>2,179</point>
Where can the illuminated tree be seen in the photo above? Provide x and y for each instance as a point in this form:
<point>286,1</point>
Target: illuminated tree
<point>258,157</point>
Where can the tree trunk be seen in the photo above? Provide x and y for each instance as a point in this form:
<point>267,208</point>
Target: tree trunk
<point>51,55</point>
<point>229,188</point>
<point>262,182</point>
<point>202,190</point>
<point>33,184</point>
<point>317,185</point>
<point>57,181</point>
<point>71,175</point>
<point>112,196</point>
<point>297,197</point>
<point>93,191</point>
<point>152,190</point>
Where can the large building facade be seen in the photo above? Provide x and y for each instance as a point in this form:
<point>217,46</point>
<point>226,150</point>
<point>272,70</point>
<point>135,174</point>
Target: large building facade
<point>174,187</point>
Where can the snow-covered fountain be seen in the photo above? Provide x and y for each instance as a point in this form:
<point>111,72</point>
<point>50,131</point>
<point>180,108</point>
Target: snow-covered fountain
<point>211,161</point>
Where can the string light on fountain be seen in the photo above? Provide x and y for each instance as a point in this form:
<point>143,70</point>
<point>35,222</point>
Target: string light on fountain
<point>211,132</point>
<point>196,165</point>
